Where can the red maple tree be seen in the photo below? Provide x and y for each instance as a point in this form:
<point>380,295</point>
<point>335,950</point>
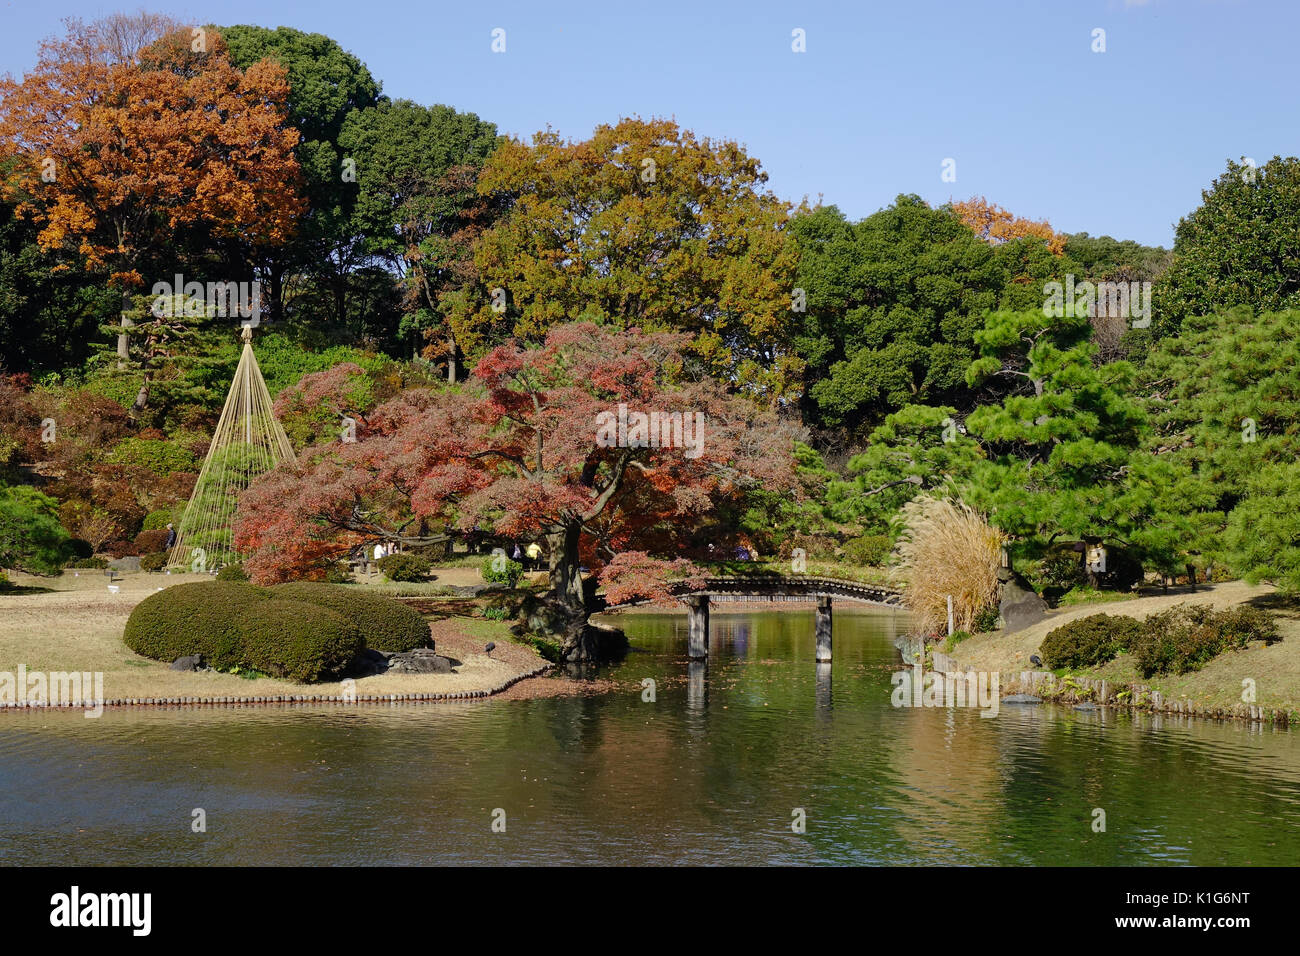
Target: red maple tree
<point>530,448</point>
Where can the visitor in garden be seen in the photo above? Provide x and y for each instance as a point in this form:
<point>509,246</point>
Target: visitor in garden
<point>534,553</point>
<point>171,538</point>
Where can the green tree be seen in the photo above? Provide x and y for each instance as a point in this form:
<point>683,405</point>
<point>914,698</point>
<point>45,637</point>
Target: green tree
<point>326,85</point>
<point>31,538</point>
<point>646,226</point>
<point>893,305</point>
<point>49,317</point>
<point>419,207</point>
<point>1223,397</point>
<point>1059,445</point>
<point>918,448</point>
<point>1237,248</point>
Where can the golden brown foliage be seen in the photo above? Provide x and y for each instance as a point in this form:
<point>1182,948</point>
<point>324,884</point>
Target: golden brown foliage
<point>149,140</point>
<point>994,224</point>
<point>646,226</point>
<point>945,549</point>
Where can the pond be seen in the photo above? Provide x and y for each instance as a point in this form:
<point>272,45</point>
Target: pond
<point>715,769</point>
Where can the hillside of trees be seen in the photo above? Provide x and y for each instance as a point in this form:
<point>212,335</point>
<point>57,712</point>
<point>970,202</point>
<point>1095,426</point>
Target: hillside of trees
<point>460,295</point>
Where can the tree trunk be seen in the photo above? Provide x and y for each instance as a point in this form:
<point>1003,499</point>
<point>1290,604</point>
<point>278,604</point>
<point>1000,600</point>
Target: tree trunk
<point>566,607</point>
<point>1191,575</point>
<point>123,338</point>
<point>275,291</point>
<point>566,578</point>
<point>451,358</point>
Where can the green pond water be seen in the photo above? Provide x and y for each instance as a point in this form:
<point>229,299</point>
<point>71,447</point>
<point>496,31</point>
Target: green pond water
<point>713,771</point>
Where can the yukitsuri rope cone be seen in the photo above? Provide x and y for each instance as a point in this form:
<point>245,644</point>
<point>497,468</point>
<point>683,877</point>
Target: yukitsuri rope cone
<point>248,443</point>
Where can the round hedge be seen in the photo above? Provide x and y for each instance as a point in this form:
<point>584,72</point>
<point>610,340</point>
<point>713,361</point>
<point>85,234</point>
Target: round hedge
<point>302,632</point>
<point>199,618</point>
<point>1089,641</point>
<point>298,641</point>
<point>386,624</point>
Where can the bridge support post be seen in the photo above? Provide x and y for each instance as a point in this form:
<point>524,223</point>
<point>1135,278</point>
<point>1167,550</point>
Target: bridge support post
<point>823,628</point>
<point>824,689</point>
<point>697,633</point>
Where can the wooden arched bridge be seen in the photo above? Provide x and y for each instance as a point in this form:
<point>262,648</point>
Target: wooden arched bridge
<point>776,588</point>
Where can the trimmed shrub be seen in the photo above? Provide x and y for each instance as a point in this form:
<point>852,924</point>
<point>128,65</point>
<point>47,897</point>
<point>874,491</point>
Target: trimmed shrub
<point>1184,639</point>
<point>1061,569</point>
<point>298,641</point>
<point>199,618</point>
<point>386,625</point>
<point>338,572</point>
<point>121,549</point>
<point>147,542</point>
<point>153,562</point>
<point>156,520</point>
<point>869,551</point>
<point>405,567</point>
<point>1242,624</point>
<point>230,572</point>
<point>98,564</point>
<point>1089,641</point>
<point>509,574</point>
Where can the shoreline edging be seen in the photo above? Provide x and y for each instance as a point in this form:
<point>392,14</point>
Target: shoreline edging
<point>228,701</point>
<point>1134,696</point>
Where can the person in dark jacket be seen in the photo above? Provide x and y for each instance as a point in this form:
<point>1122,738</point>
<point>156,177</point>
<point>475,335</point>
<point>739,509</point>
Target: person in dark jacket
<point>171,538</point>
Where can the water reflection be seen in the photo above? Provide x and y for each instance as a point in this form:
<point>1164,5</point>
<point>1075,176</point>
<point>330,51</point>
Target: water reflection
<point>708,772</point>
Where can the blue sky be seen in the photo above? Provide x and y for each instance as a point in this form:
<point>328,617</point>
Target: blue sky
<point>1118,143</point>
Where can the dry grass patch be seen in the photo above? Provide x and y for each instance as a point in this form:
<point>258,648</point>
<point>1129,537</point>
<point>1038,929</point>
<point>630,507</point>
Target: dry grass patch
<point>946,549</point>
<point>78,626</point>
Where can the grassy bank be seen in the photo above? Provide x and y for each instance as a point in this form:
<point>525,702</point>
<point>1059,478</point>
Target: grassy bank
<point>74,623</point>
<point>1217,687</point>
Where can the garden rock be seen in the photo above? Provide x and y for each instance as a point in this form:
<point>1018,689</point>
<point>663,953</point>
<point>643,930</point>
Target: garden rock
<point>1020,607</point>
<point>422,660</point>
<point>192,663</point>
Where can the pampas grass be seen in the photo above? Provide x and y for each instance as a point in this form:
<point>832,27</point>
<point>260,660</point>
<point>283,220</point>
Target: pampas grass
<point>946,548</point>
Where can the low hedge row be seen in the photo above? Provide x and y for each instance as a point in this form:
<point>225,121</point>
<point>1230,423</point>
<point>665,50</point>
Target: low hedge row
<point>1185,639</point>
<point>405,567</point>
<point>1181,639</point>
<point>301,632</point>
<point>1089,641</point>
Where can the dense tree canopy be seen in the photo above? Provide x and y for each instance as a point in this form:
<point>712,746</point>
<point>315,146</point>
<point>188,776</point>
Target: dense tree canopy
<point>646,225</point>
<point>525,450</point>
<point>1238,247</point>
<point>418,205</point>
<point>326,84</point>
<point>893,305</point>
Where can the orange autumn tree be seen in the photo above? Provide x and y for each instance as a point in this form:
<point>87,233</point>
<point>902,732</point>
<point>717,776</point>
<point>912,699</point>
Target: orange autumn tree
<point>132,129</point>
<point>994,224</point>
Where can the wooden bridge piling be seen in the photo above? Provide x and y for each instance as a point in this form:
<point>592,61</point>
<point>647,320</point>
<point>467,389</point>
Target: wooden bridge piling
<point>823,628</point>
<point>697,627</point>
